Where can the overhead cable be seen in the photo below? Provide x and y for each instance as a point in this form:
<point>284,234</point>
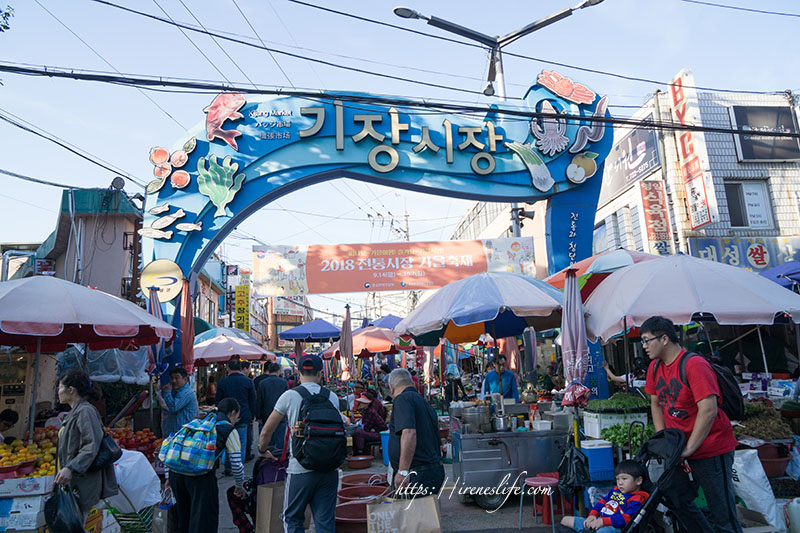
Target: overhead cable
<point>737,8</point>
<point>79,152</point>
<point>39,180</point>
<point>372,99</point>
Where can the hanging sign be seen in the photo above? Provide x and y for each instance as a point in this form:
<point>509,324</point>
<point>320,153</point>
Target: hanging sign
<point>319,269</point>
<point>656,217</point>
<point>243,307</point>
<point>692,153</point>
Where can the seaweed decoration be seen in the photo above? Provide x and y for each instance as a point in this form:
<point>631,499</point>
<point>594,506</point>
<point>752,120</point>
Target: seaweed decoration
<point>218,183</point>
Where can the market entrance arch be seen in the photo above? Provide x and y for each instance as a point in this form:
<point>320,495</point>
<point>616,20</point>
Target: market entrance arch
<point>250,151</point>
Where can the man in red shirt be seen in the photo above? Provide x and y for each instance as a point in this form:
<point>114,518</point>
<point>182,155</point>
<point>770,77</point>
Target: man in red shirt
<point>692,407</point>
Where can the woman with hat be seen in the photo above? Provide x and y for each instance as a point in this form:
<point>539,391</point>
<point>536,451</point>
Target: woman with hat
<point>373,421</point>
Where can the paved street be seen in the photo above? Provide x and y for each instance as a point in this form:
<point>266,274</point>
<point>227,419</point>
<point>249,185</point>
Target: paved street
<point>456,516</point>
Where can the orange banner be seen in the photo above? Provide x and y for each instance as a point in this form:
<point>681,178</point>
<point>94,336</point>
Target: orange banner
<point>319,269</point>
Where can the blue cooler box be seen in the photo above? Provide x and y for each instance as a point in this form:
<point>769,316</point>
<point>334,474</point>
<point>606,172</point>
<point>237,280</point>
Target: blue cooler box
<point>601,459</point>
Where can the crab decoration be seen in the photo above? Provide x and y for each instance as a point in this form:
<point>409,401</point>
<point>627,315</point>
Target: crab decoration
<point>566,88</point>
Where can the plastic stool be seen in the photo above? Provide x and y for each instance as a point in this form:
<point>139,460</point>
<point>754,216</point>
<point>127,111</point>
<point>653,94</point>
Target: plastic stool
<point>547,505</point>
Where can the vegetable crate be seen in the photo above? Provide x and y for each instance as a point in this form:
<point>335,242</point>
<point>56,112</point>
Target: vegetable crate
<point>594,423</point>
<point>139,522</point>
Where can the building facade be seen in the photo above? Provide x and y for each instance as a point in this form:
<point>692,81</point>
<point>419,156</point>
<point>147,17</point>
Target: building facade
<point>733,198</point>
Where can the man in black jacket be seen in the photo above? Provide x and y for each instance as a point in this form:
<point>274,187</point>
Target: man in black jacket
<point>239,387</point>
<point>268,390</point>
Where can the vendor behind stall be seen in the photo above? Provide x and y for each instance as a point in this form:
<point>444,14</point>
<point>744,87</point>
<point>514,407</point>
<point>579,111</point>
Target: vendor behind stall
<point>500,381</point>
<point>8,419</point>
<point>453,384</point>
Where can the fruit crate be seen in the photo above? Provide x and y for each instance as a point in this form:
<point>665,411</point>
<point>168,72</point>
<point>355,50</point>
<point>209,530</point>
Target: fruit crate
<point>594,423</point>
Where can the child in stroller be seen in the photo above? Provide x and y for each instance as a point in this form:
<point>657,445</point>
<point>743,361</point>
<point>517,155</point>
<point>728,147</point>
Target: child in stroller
<point>614,511</point>
<point>665,447</point>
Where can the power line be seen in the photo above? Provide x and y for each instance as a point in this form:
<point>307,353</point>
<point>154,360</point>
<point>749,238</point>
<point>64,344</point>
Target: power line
<point>104,60</point>
<point>74,149</point>
<point>520,56</point>
<point>737,8</point>
<point>289,54</point>
<point>247,20</point>
<point>38,180</point>
<point>371,99</point>
<point>194,44</point>
<point>217,43</point>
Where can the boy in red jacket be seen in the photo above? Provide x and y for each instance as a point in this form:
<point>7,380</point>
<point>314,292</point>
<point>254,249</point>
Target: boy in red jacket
<point>618,507</point>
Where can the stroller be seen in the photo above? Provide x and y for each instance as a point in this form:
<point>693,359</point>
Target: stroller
<point>665,447</point>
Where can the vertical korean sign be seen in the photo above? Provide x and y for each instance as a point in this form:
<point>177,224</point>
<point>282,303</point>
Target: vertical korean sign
<point>656,217</point>
<point>243,307</point>
<point>692,153</point>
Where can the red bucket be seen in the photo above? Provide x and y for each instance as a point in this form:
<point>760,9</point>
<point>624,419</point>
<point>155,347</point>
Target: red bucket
<point>353,480</point>
<point>362,493</point>
<point>351,517</point>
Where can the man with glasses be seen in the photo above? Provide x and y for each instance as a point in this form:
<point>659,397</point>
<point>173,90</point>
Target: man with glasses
<point>692,407</point>
<point>8,419</point>
<point>500,381</point>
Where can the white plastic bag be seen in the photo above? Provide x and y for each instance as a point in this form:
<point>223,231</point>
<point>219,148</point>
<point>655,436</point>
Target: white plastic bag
<point>139,485</point>
<point>752,486</point>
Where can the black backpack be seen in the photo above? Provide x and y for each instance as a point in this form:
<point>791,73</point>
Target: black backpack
<point>732,403</point>
<point>321,443</point>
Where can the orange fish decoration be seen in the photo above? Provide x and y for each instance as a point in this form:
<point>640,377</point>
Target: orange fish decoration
<point>225,106</point>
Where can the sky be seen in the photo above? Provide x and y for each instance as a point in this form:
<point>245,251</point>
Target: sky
<point>726,49</point>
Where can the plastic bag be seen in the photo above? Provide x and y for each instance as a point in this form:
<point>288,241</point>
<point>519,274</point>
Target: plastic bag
<point>113,365</point>
<point>139,486</point>
<point>573,470</point>
<point>752,486</point>
<point>793,468</point>
<point>61,511</point>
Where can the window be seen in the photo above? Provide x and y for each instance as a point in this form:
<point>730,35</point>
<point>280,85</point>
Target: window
<point>600,240</point>
<point>748,205</point>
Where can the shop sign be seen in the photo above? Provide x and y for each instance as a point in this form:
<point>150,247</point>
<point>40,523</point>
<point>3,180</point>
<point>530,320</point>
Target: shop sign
<point>780,119</point>
<point>289,305</point>
<point>243,307</point>
<point>320,269</point>
<point>634,157</point>
<point>44,267</point>
<point>692,153</point>
<point>756,254</point>
<point>656,217</point>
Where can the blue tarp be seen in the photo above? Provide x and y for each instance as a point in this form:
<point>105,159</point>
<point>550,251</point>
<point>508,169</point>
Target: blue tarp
<point>315,330</point>
<point>785,275</point>
<point>388,321</point>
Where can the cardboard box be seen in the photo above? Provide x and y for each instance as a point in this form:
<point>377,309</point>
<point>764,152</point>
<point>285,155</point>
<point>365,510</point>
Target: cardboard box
<point>22,521</point>
<point>20,514</point>
<point>753,521</point>
<point>26,486</point>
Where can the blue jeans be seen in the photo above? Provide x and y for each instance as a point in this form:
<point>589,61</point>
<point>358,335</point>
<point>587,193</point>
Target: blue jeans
<point>605,529</point>
<point>714,474</point>
<point>317,489</point>
<point>241,429</point>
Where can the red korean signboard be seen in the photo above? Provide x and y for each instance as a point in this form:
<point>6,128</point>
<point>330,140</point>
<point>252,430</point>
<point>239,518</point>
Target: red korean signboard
<point>656,216</point>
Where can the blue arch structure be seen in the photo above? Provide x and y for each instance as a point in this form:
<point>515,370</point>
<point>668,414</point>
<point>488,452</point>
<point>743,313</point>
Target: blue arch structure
<point>251,151</point>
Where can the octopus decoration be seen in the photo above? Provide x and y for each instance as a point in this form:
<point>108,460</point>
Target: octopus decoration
<point>550,138</point>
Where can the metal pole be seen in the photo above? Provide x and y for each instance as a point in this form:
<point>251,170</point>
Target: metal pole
<point>763,353</point>
<point>35,387</point>
<point>625,344</point>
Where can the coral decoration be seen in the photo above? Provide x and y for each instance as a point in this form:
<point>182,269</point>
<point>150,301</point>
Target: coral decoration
<point>566,88</point>
<point>219,183</point>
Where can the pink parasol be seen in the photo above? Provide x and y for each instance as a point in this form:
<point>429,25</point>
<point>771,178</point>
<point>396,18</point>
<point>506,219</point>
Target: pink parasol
<point>187,328</point>
<point>222,349</point>
<point>370,341</point>
<point>574,347</point>
<point>346,346</point>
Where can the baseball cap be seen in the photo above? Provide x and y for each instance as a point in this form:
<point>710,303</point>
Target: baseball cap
<point>310,362</point>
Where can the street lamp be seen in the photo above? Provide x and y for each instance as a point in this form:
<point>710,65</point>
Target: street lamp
<point>494,43</point>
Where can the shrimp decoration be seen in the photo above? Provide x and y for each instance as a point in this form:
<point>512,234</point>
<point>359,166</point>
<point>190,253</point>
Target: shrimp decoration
<point>550,138</point>
<point>566,88</point>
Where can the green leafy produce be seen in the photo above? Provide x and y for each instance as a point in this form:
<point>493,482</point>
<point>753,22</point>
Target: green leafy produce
<point>618,435</point>
<point>619,402</point>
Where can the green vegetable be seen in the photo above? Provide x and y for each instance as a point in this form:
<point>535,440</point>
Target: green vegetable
<point>618,435</point>
<point>619,402</point>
